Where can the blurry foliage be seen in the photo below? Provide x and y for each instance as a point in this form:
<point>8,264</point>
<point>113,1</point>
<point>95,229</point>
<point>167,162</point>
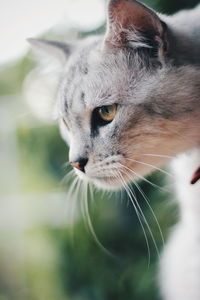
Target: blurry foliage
<point>74,267</point>
<point>95,275</point>
<point>66,263</point>
<point>13,75</point>
<point>42,151</point>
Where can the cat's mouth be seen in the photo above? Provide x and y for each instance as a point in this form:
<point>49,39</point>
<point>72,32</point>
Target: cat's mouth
<point>109,181</point>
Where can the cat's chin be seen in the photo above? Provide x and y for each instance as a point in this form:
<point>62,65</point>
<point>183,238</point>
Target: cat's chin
<point>103,183</point>
<point>110,184</point>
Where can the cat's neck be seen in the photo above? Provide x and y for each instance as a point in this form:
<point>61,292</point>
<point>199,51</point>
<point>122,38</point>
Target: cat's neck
<point>184,36</point>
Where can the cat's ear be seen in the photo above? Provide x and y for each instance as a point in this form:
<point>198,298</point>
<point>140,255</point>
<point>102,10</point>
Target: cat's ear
<point>131,24</point>
<point>61,51</point>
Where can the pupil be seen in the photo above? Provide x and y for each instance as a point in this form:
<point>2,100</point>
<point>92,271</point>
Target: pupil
<point>105,110</point>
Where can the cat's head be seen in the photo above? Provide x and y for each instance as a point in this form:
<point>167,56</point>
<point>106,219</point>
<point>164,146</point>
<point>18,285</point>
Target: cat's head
<point>117,98</point>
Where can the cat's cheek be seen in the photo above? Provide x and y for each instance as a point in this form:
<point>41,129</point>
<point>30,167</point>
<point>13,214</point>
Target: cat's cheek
<point>64,133</point>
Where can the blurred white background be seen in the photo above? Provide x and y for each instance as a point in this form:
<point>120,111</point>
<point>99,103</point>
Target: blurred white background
<point>31,150</point>
<point>31,194</point>
<point>26,18</point>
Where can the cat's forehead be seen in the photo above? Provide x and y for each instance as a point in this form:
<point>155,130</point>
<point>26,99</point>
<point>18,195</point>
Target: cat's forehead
<point>94,78</point>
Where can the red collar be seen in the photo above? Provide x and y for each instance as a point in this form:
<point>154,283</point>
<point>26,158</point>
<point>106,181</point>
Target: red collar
<point>196,176</point>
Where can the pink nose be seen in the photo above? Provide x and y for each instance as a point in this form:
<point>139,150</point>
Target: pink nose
<point>76,165</point>
<point>80,164</point>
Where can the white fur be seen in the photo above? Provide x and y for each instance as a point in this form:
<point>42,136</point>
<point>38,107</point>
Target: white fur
<point>180,267</point>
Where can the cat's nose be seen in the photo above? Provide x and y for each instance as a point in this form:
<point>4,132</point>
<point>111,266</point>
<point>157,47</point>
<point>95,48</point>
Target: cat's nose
<point>80,164</point>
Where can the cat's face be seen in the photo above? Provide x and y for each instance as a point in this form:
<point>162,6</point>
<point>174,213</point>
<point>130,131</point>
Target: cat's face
<point>119,108</point>
<point>120,86</point>
<point>96,102</point>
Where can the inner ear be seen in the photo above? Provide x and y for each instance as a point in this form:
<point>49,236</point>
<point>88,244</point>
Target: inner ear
<point>132,24</point>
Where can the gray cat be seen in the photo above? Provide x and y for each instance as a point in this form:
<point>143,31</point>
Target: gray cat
<point>127,102</point>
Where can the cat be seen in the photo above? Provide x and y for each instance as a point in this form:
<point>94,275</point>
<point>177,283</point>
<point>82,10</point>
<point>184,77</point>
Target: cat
<point>129,101</point>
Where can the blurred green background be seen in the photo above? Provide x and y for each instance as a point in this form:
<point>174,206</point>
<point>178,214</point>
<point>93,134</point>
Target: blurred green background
<point>47,250</point>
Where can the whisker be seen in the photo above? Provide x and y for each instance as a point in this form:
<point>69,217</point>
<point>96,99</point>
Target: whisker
<point>143,178</point>
<point>66,165</point>
<point>137,213</point>
<point>151,209</point>
<point>75,206</point>
<point>68,177</point>
<point>90,225</point>
<point>72,197</point>
<point>154,155</point>
<point>75,187</point>
<point>150,165</point>
<point>145,220</point>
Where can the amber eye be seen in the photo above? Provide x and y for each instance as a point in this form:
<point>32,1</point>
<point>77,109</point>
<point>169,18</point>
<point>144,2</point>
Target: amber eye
<point>108,112</point>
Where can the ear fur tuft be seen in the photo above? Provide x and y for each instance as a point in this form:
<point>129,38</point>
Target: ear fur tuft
<point>57,49</point>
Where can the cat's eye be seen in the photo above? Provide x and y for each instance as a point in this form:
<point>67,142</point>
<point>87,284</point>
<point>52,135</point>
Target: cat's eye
<point>101,116</point>
<point>107,113</point>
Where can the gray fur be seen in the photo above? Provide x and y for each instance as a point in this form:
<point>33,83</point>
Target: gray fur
<point>156,88</point>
